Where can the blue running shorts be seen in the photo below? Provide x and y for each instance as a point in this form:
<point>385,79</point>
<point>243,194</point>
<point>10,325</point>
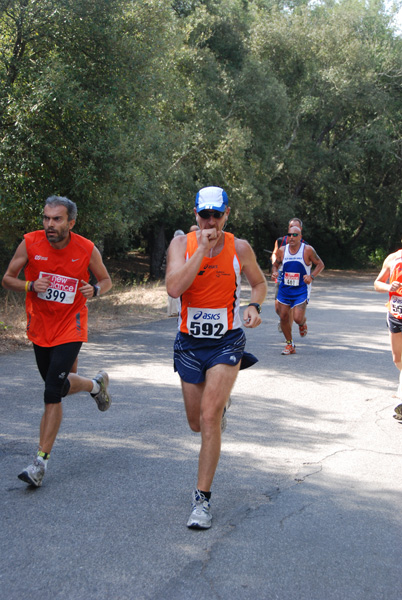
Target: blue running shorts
<point>194,356</point>
<point>292,295</point>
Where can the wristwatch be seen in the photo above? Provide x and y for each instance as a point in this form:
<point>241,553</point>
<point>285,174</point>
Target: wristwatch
<point>258,307</point>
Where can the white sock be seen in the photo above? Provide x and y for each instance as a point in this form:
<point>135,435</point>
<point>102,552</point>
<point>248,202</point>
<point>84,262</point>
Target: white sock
<point>42,460</point>
<point>95,387</point>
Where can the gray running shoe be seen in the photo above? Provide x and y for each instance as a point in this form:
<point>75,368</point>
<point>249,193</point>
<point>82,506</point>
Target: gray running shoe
<point>224,421</point>
<point>200,517</point>
<point>34,473</point>
<point>102,398</point>
<point>398,409</point>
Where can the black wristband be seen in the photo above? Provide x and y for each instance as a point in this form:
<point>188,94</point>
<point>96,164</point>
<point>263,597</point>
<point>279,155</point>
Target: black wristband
<point>257,306</point>
<point>96,290</point>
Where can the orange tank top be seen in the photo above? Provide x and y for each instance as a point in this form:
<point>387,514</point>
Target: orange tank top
<point>210,306</point>
<point>59,315</point>
<point>395,298</point>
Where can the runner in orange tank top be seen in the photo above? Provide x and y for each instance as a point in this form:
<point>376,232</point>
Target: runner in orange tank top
<point>204,271</point>
<point>57,263</point>
<point>389,281</point>
<point>217,286</point>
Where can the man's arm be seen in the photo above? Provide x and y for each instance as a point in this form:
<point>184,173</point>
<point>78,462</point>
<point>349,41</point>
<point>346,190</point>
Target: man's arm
<point>99,270</point>
<point>277,262</point>
<point>311,257</point>
<point>256,279</point>
<point>381,283</point>
<point>180,273</point>
<point>275,250</point>
<point>11,280</point>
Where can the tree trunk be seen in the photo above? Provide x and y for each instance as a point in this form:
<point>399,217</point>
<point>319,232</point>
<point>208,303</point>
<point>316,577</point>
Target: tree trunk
<point>157,252</point>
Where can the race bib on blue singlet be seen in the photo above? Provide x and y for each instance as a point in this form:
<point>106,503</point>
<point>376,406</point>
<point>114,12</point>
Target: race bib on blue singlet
<point>292,279</point>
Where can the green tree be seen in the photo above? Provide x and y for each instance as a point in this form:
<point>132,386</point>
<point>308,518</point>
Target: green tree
<point>79,111</point>
<point>340,167</point>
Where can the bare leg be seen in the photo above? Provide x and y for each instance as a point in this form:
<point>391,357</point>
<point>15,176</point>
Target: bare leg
<point>204,407</point>
<point>396,348</point>
<point>291,320</point>
<point>79,384</point>
<point>300,313</point>
<point>277,310</point>
<point>53,414</point>
<point>49,426</point>
<point>284,311</point>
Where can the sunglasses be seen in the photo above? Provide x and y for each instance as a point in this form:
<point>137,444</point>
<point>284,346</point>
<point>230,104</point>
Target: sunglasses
<point>293,234</point>
<point>207,214</point>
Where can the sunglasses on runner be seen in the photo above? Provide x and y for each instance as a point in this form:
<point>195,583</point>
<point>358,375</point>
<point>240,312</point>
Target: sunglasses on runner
<point>293,234</point>
<point>207,214</point>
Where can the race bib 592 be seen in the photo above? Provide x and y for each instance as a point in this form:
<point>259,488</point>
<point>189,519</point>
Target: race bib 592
<point>396,305</point>
<point>207,322</point>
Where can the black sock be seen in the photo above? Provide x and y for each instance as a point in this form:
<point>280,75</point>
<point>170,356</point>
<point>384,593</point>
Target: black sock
<point>44,455</point>
<point>206,494</point>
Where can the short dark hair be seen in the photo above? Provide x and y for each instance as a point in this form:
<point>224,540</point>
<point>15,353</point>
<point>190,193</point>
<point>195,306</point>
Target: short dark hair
<point>62,201</point>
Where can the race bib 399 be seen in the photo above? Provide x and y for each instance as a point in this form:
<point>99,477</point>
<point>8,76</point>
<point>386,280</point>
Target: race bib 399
<point>62,289</point>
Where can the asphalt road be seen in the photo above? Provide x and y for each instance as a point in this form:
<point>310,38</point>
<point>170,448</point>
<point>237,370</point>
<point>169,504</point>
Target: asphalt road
<point>306,500</point>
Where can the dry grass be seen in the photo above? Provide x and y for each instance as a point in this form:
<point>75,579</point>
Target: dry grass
<point>124,305</point>
<point>12,323</point>
<point>128,305</point>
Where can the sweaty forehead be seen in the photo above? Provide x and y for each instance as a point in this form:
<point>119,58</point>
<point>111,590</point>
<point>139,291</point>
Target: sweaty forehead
<point>294,229</point>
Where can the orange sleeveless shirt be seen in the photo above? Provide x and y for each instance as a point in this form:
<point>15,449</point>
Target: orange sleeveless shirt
<point>59,315</point>
<point>210,306</point>
<point>395,298</point>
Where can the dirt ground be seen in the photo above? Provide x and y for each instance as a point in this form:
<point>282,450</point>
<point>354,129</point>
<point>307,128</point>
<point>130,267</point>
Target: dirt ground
<point>133,299</point>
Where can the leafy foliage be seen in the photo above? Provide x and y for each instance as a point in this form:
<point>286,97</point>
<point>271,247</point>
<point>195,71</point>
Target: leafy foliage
<point>128,107</point>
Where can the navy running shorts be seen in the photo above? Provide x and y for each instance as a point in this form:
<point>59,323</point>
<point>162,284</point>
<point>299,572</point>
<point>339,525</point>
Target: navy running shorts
<point>394,324</point>
<point>194,356</point>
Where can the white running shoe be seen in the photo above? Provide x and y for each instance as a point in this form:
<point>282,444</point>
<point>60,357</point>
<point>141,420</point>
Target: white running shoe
<point>200,517</point>
<point>224,421</point>
<point>34,473</point>
<point>102,398</point>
